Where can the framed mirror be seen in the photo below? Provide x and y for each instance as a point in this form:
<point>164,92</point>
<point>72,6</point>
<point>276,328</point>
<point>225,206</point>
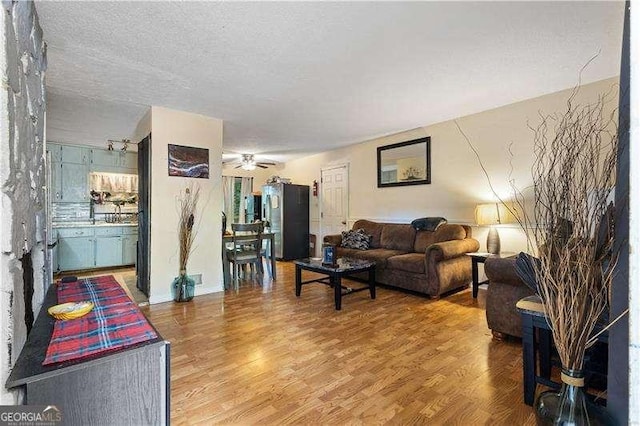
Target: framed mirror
<point>405,163</point>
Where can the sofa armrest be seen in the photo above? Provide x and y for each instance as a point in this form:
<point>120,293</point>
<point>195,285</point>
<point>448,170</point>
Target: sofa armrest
<point>450,249</point>
<point>335,240</point>
<point>503,270</point>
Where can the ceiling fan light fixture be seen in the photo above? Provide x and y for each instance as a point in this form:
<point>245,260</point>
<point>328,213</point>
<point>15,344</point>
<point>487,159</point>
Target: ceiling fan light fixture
<point>248,162</point>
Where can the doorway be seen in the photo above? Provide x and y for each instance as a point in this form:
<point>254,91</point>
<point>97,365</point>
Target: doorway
<point>144,213</point>
<point>334,199</point>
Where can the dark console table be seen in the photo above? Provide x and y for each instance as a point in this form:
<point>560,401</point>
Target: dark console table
<point>537,347</point>
<point>125,386</point>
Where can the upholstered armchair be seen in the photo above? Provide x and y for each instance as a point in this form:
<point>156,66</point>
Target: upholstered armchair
<point>504,290</point>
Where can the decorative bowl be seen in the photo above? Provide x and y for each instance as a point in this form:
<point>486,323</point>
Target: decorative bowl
<point>71,310</point>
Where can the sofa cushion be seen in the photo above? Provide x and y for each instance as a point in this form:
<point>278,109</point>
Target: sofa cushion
<point>446,232</point>
<point>379,255</point>
<point>397,236</point>
<point>410,262</point>
<point>372,228</point>
<point>356,239</point>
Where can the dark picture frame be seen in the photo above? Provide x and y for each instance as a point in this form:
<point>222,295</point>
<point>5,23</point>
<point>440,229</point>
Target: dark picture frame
<point>405,163</point>
<point>188,161</point>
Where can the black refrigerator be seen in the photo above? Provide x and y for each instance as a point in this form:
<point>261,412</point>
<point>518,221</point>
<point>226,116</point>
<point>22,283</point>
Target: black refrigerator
<point>286,208</point>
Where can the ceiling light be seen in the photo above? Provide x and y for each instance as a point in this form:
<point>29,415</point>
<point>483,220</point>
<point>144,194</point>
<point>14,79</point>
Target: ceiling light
<point>248,162</point>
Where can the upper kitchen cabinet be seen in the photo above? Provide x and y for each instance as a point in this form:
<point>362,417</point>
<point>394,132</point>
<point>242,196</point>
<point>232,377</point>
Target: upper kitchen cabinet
<point>130,161</point>
<point>74,183</point>
<point>68,154</point>
<point>103,160</point>
<point>75,154</point>
<point>69,173</point>
<point>56,152</point>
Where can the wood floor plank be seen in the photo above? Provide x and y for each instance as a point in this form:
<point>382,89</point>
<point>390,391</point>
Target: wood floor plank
<point>261,355</point>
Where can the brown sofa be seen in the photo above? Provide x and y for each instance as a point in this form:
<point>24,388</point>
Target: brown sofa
<point>504,290</point>
<point>429,262</point>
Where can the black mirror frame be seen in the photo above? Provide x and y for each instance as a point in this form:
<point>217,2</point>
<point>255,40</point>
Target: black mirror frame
<point>425,181</point>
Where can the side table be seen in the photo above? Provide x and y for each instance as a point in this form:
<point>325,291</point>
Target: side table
<point>536,347</point>
<point>478,257</point>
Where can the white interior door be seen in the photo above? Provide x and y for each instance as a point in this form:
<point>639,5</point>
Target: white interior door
<point>334,200</point>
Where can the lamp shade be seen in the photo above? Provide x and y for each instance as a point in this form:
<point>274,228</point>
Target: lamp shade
<point>494,214</point>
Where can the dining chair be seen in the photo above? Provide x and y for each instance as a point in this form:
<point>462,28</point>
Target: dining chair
<point>246,249</point>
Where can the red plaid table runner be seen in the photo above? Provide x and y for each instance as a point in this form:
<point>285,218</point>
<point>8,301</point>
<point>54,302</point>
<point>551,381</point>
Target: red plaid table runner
<point>115,321</point>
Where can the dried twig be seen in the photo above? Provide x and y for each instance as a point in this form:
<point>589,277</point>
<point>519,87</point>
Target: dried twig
<point>187,205</point>
<point>573,177</point>
<point>574,170</point>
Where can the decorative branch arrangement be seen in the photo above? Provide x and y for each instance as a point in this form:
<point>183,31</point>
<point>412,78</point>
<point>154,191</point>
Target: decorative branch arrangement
<point>574,173</point>
<point>187,205</point>
<point>572,224</point>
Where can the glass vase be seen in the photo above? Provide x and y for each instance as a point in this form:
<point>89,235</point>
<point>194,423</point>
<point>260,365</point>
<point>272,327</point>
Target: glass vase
<point>182,287</point>
<point>570,406</point>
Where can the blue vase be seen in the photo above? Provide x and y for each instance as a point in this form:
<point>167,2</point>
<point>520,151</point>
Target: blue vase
<point>182,288</point>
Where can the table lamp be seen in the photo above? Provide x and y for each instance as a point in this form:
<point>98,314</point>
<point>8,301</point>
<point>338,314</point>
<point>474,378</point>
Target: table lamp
<point>493,214</point>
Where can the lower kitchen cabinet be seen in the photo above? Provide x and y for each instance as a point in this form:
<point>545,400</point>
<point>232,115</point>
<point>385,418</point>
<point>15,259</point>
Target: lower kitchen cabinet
<point>95,247</point>
<point>129,249</point>
<point>75,253</point>
<point>108,251</point>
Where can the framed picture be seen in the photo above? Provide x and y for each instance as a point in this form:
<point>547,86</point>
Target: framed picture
<point>187,161</point>
<point>405,163</point>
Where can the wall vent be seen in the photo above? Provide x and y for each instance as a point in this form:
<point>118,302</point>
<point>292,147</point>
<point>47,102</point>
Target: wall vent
<point>197,278</point>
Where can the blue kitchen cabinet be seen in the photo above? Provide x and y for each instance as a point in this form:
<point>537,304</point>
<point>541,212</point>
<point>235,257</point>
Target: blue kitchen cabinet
<point>104,161</point>
<point>74,154</point>
<point>69,173</point>
<point>108,251</point>
<point>74,183</point>
<point>75,253</point>
<point>129,162</point>
<point>129,249</point>
<point>114,161</point>
<point>55,185</point>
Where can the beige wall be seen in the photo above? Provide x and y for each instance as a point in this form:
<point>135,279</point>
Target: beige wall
<point>182,128</point>
<point>457,180</point>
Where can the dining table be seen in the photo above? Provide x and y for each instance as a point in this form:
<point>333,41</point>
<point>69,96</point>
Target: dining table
<point>271,254</point>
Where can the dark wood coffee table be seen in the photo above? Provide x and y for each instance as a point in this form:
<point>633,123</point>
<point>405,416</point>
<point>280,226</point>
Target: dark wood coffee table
<point>343,267</point>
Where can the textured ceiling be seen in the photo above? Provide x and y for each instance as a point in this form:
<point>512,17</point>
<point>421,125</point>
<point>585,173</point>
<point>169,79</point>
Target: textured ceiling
<point>302,77</point>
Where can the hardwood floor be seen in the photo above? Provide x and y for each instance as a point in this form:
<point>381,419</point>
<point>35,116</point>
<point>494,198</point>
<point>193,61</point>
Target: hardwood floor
<point>263,356</point>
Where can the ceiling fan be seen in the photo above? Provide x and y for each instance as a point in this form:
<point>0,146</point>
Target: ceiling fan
<point>249,162</point>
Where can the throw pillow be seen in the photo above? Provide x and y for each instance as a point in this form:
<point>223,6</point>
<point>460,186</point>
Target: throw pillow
<point>356,239</point>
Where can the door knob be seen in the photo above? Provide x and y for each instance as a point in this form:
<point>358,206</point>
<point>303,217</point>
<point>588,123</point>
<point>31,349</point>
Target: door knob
<point>344,222</point>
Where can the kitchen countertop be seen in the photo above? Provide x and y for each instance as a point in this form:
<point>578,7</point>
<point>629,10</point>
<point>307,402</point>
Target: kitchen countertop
<point>84,224</point>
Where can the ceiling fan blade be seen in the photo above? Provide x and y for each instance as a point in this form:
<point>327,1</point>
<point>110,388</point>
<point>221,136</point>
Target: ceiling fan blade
<point>238,166</point>
<point>261,166</point>
<point>266,163</point>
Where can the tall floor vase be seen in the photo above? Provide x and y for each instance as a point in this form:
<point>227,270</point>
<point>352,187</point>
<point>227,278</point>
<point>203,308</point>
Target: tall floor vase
<point>570,406</point>
<point>182,287</point>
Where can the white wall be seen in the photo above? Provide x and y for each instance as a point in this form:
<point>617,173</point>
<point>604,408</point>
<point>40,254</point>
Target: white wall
<point>457,180</point>
<point>182,128</point>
